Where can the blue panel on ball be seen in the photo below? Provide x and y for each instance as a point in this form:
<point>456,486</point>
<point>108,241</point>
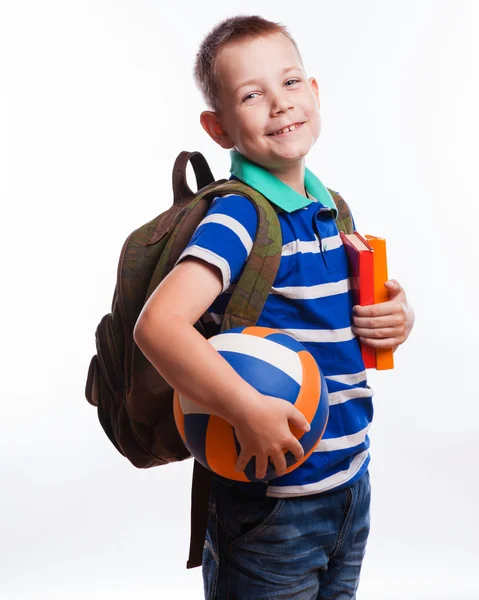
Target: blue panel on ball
<point>250,471</point>
<point>286,340</point>
<point>263,376</point>
<point>320,418</point>
<point>195,434</point>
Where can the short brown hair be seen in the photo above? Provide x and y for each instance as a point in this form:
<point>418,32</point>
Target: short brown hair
<point>232,29</point>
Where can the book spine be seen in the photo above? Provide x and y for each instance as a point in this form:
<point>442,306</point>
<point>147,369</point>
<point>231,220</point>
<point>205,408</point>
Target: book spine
<point>384,356</point>
<point>361,276</point>
<point>366,297</point>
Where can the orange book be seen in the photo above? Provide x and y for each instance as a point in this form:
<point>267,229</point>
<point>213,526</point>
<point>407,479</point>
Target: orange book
<point>361,268</point>
<point>384,356</point>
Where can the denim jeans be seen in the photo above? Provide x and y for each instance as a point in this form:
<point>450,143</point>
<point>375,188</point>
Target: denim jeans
<point>300,548</point>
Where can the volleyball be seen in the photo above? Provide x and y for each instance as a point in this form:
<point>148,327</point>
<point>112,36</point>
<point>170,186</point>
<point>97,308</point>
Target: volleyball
<point>275,364</point>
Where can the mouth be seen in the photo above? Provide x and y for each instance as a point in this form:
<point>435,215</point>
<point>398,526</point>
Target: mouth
<point>286,130</point>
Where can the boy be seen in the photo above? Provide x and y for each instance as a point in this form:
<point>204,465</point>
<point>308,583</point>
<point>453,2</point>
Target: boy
<point>300,535</point>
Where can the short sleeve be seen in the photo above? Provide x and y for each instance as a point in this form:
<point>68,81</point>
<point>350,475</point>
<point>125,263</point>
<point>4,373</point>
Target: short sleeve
<point>224,238</point>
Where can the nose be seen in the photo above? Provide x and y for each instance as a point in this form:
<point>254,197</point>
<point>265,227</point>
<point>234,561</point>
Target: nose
<point>280,103</point>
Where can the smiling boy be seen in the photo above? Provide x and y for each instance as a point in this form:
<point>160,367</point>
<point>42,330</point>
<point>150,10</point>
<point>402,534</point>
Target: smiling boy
<point>303,534</point>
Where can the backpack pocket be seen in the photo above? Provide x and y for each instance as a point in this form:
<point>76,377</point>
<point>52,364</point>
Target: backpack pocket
<point>108,355</point>
<point>99,394</point>
<point>91,388</point>
<point>105,384</point>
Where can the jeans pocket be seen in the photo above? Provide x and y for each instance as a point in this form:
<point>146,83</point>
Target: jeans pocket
<point>246,517</point>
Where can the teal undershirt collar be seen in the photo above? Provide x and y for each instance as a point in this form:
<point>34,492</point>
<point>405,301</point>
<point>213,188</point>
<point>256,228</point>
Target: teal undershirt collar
<point>275,190</point>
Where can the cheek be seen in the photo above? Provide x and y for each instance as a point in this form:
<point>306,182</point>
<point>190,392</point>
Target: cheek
<point>315,120</point>
<point>252,124</point>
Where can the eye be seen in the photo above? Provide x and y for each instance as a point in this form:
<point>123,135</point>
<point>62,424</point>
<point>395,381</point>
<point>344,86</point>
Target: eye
<point>292,81</point>
<point>250,96</point>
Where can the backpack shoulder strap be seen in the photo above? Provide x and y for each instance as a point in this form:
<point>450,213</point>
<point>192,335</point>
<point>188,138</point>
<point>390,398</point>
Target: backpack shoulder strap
<point>258,275</point>
<point>344,220</point>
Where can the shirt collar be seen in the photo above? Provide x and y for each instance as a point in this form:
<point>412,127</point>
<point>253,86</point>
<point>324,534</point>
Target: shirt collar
<point>275,190</point>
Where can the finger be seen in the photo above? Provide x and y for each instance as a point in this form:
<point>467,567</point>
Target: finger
<point>279,461</point>
<point>261,466</point>
<point>394,320</point>
<point>384,343</point>
<point>295,448</point>
<point>374,310</point>
<point>378,334</point>
<point>242,460</point>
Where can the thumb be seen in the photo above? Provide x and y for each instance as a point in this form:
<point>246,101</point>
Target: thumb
<point>298,420</point>
<point>393,287</point>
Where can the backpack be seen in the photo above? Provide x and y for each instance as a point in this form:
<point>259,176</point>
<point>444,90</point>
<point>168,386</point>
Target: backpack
<point>133,401</point>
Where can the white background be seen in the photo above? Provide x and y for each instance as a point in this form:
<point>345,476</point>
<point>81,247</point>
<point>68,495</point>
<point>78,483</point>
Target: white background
<point>96,100</point>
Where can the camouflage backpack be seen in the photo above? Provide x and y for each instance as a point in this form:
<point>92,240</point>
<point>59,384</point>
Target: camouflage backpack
<point>134,402</point>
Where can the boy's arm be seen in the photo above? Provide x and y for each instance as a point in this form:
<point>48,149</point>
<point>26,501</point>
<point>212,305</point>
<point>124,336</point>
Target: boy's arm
<point>166,335</point>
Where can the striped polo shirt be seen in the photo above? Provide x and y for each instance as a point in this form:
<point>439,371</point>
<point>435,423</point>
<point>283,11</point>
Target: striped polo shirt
<point>311,300</point>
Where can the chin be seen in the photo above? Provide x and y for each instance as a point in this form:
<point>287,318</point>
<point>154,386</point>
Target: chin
<point>293,154</point>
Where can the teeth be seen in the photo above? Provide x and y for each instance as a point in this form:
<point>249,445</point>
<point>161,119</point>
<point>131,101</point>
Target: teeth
<point>291,128</point>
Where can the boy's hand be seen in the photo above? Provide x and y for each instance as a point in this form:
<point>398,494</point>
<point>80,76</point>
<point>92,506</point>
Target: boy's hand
<point>265,432</point>
<point>387,324</point>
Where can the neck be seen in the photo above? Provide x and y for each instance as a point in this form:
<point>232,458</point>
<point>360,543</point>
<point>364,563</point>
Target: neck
<point>292,175</point>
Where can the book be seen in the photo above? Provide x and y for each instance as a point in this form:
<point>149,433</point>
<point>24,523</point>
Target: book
<point>361,268</point>
<point>384,356</point>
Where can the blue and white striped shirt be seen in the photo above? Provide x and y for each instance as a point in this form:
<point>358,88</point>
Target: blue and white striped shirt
<point>311,300</point>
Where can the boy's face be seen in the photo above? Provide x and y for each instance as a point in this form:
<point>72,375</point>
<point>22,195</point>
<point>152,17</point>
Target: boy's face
<point>262,90</point>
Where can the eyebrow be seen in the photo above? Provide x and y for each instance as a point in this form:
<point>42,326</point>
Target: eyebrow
<point>282,72</point>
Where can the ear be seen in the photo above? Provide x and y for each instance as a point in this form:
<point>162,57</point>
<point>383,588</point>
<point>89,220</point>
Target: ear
<point>313,84</point>
<point>211,124</point>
